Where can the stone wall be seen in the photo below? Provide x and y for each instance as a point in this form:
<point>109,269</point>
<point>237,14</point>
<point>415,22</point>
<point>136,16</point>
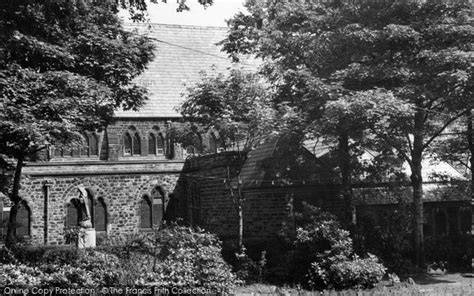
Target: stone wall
<point>47,190</point>
<point>268,211</point>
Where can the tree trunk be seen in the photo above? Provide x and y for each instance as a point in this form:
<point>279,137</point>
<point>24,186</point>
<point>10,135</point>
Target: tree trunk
<point>470,142</point>
<point>15,199</point>
<point>345,165</point>
<point>417,186</point>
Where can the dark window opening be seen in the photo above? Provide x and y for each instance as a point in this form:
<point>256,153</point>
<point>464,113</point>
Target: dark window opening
<point>151,144</point>
<point>23,219</point>
<point>127,144</point>
<point>94,145</point>
<point>136,144</point>
<point>100,216</point>
<point>145,213</point>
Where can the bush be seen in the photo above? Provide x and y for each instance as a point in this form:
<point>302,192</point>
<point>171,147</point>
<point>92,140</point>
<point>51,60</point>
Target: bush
<point>190,259</point>
<point>454,251</point>
<point>389,239</point>
<point>20,275</point>
<point>60,255</point>
<point>353,273</point>
<point>324,255</point>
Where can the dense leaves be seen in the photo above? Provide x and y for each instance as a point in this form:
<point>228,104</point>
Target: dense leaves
<point>384,75</point>
<point>235,104</point>
<point>65,66</point>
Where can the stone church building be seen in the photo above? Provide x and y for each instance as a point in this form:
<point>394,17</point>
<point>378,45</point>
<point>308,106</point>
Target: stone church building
<point>130,168</point>
<point>132,175</point>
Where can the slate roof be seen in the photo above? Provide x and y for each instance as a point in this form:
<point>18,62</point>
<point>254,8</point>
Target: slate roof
<point>182,52</point>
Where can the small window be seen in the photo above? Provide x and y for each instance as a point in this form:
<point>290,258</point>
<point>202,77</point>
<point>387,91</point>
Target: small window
<point>23,220</point>
<point>100,216</point>
<point>73,213</point>
<point>160,145</point>
<point>127,144</point>
<point>94,145</point>
<point>151,144</point>
<point>146,221</point>
<point>136,144</point>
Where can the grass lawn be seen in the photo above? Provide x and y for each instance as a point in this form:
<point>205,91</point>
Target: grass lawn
<point>447,284</point>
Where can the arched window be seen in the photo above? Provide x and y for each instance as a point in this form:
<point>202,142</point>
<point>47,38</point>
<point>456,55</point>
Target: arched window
<point>100,215</point>
<point>23,220</point>
<point>137,150</point>
<point>195,200</point>
<point>441,222</point>
<point>146,219</point>
<point>157,197</point>
<point>151,144</point>
<point>93,145</point>
<point>73,213</point>
<point>160,145</point>
<point>127,144</point>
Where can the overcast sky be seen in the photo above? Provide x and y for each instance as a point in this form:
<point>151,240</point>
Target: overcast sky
<point>214,15</point>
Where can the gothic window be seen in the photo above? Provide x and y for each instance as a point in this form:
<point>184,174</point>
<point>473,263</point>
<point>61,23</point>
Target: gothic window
<point>100,215</point>
<point>127,144</point>
<point>73,213</point>
<point>151,144</point>
<point>136,144</point>
<point>146,219</point>
<point>441,222</point>
<point>160,145</point>
<point>93,145</point>
<point>195,200</point>
<point>157,198</point>
<point>23,220</point>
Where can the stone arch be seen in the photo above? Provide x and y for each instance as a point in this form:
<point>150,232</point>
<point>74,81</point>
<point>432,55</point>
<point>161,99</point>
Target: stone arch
<point>95,191</point>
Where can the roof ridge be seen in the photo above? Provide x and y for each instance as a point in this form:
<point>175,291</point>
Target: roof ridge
<point>131,24</point>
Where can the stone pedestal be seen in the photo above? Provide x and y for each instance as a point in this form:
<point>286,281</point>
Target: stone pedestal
<point>87,240</point>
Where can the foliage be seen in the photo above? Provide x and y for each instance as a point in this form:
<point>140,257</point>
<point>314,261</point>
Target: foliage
<point>324,255</point>
<point>402,70</point>
<point>190,259</point>
<point>353,273</point>
<point>248,270</point>
<point>453,250</point>
<point>235,105</point>
<point>389,237</point>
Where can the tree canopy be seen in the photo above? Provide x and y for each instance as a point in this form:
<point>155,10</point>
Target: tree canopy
<point>395,72</point>
<point>64,67</point>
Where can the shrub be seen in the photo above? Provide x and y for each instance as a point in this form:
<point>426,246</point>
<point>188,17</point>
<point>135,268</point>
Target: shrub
<point>389,239</point>
<point>60,255</point>
<point>353,273</point>
<point>455,250</point>
<point>190,259</point>
<point>324,255</point>
<point>20,275</point>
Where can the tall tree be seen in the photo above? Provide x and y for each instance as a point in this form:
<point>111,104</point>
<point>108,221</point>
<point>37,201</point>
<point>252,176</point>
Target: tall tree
<point>64,67</point>
<point>237,106</point>
<point>403,64</point>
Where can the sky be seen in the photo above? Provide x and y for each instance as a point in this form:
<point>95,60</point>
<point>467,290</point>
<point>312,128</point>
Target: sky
<point>215,15</point>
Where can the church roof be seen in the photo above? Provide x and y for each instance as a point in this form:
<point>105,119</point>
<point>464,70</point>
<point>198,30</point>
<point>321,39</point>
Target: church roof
<point>182,52</point>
